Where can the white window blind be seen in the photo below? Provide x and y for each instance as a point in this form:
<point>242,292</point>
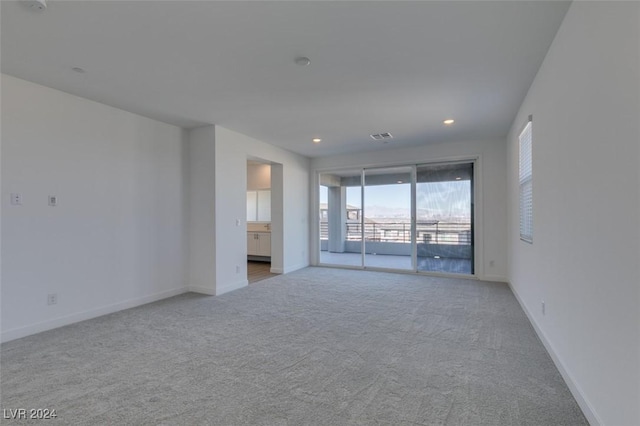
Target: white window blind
<point>526,185</point>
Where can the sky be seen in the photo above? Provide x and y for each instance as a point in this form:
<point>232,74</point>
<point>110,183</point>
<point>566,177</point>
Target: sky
<point>452,198</point>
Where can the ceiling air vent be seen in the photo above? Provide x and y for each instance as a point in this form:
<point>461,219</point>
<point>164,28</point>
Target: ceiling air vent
<point>382,136</point>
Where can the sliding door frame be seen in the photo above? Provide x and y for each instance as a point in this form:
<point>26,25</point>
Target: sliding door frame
<point>412,217</point>
<point>477,237</point>
<point>363,244</point>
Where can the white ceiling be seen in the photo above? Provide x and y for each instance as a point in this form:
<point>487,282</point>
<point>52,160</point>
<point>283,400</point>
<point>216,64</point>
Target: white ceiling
<point>379,66</point>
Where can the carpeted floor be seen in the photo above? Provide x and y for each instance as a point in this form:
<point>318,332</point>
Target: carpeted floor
<point>315,347</point>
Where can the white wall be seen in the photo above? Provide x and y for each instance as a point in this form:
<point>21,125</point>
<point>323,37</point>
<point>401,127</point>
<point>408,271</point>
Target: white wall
<point>145,211</point>
<point>202,194</point>
<point>290,201</point>
<point>586,245</point>
<point>118,235</point>
<point>258,177</point>
<point>491,205</point>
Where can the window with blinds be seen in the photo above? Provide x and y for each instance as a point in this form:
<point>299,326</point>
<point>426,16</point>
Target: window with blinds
<point>526,185</point>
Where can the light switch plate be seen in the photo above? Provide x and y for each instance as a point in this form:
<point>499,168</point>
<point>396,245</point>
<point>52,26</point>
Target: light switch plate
<point>16,199</point>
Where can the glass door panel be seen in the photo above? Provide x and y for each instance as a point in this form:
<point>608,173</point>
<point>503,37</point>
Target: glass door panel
<point>387,224</point>
<point>340,218</point>
<point>444,218</point>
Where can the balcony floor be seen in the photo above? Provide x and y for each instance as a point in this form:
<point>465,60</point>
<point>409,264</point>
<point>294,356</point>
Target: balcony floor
<point>425,264</point>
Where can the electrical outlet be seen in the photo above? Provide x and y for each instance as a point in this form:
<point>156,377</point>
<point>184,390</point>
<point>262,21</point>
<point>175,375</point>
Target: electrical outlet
<point>16,199</point>
<point>544,308</point>
<point>237,269</point>
<point>52,299</point>
<point>53,200</point>
<point>492,263</point>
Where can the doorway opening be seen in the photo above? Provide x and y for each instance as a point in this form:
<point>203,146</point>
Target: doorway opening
<point>258,221</point>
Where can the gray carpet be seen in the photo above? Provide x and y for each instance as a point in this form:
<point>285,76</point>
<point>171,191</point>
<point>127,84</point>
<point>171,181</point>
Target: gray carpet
<point>315,347</point>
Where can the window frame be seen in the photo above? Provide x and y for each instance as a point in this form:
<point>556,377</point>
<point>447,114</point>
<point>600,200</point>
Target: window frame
<point>525,182</point>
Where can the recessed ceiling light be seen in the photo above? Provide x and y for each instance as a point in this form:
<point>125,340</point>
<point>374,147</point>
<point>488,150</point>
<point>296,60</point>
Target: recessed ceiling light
<point>458,178</point>
<point>448,121</point>
<point>36,4</point>
<point>303,61</point>
<point>400,181</point>
<point>78,69</point>
<point>316,140</point>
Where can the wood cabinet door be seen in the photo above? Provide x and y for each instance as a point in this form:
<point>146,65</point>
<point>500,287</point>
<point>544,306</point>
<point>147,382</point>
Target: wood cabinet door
<point>264,244</point>
<point>252,244</point>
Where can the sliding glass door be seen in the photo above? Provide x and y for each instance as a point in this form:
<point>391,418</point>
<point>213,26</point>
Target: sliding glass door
<point>387,224</point>
<point>444,218</point>
<point>414,217</point>
<point>340,218</point>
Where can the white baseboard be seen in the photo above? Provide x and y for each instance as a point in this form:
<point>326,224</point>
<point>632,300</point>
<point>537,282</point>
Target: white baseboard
<point>28,330</point>
<point>222,289</point>
<point>494,278</point>
<point>201,290</point>
<point>288,269</point>
<point>575,389</point>
<point>276,271</point>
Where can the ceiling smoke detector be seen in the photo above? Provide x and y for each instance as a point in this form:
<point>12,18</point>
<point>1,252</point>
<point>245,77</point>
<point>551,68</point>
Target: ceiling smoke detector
<point>36,4</point>
<point>382,136</point>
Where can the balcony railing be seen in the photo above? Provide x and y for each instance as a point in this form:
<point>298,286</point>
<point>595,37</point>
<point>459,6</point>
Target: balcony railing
<point>432,232</point>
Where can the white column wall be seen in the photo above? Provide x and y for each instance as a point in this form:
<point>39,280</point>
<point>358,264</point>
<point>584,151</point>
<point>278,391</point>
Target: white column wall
<point>202,203</point>
<point>291,238</point>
